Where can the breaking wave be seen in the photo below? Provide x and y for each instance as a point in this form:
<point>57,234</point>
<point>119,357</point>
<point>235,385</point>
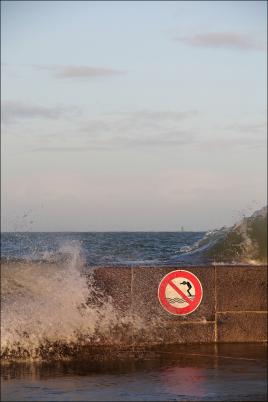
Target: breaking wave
<point>243,243</point>
<point>53,309</point>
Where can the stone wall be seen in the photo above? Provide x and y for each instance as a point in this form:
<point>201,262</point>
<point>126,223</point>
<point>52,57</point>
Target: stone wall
<point>233,308</point>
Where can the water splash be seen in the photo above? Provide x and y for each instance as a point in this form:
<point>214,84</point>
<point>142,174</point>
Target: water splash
<point>52,308</point>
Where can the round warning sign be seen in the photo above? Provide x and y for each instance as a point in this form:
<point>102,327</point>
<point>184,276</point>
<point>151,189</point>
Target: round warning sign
<point>180,292</point>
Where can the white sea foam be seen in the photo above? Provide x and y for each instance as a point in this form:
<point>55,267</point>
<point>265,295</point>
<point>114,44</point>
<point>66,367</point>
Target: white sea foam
<point>48,303</point>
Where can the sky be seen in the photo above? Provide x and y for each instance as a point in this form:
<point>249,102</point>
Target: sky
<point>132,116</point>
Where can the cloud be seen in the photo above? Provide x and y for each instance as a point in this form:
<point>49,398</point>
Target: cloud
<point>257,128</point>
<point>15,111</point>
<point>166,139</point>
<point>231,40</point>
<point>158,115</point>
<point>230,144</point>
<point>78,71</point>
<point>142,129</point>
<point>139,122</point>
<point>69,149</point>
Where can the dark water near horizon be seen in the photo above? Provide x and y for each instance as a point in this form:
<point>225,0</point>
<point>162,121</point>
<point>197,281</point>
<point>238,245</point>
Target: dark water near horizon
<point>102,248</point>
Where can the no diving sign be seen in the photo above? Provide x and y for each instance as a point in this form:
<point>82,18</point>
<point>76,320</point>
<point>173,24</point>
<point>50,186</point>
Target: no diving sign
<point>180,292</point>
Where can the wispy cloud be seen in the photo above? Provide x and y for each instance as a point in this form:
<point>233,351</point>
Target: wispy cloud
<point>257,128</point>
<point>229,144</point>
<point>139,122</point>
<point>163,140</point>
<point>173,139</point>
<point>79,71</point>
<point>142,129</point>
<point>231,40</point>
<point>15,111</point>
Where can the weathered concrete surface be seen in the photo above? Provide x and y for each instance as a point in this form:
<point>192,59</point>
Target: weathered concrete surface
<point>116,283</point>
<point>174,332</point>
<point>241,288</point>
<point>233,308</point>
<point>239,326</point>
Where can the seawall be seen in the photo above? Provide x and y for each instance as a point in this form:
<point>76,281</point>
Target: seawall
<point>233,307</point>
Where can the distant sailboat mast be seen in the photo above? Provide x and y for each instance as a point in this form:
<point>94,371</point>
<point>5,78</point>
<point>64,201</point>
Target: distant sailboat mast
<point>182,229</point>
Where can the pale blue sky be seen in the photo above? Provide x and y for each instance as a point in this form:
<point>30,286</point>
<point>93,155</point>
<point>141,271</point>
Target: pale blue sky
<point>132,115</point>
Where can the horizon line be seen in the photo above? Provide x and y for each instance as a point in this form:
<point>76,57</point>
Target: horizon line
<point>103,231</point>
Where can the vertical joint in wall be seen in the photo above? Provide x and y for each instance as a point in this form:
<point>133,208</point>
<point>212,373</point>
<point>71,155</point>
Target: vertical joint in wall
<point>215,305</point>
<point>131,309</point>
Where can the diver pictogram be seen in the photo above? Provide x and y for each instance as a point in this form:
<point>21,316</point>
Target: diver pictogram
<point>189,286</point>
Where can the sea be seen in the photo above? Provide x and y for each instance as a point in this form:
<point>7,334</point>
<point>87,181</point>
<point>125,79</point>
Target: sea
<point>101,248</point>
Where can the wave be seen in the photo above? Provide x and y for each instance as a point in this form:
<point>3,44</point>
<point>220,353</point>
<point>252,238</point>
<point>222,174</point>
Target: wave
<point>243,243</point>
<point>51,309</point>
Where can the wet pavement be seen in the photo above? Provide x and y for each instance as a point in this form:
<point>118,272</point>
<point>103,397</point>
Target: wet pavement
<point>223,372</point>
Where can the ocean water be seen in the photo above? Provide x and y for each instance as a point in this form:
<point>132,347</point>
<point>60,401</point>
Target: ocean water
<point>101,248</point>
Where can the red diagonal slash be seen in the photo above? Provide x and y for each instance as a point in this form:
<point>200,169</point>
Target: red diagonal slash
<point>186,298</point>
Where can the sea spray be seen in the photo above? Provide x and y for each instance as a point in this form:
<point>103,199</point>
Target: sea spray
<point>54,308</point>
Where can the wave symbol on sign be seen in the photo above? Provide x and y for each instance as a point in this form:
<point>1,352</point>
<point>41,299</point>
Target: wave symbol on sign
<point>178,300</point>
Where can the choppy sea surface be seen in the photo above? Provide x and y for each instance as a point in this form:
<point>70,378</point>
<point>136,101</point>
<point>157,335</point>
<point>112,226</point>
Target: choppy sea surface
<point>102,248</point>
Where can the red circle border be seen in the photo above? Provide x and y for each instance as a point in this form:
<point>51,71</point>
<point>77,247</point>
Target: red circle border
<point>177,310</point>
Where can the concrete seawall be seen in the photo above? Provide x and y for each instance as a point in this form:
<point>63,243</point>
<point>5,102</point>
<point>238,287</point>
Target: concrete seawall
<point>233,308</point>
